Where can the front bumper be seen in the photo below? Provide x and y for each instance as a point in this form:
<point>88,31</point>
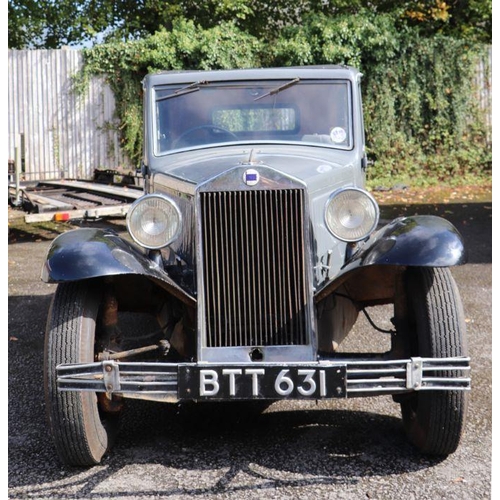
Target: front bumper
<point>353,377</point>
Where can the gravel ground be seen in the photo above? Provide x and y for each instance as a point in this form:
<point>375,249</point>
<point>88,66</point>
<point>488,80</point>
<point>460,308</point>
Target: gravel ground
<point>351,449</point>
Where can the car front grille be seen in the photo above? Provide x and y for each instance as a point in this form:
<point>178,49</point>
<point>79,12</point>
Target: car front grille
<point>254,268</point>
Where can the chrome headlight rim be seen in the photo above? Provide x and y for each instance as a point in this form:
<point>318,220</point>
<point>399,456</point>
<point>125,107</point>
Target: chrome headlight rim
<point>373,202</point>
<point>144,199</point>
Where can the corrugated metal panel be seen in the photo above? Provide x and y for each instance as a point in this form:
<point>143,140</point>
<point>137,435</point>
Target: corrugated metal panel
<point>59,134</point>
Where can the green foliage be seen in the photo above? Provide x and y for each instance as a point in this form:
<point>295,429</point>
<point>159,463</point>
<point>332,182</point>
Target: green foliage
<point>345,39</point>
<point>421,112</point>
<point>53,24</point>
<point>49,24</point>
<point>422,115</point>
<point>124,65</point>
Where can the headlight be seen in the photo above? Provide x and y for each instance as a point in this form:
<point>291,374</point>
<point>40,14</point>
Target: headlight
<point>154,221</point>
<point>351,214</point>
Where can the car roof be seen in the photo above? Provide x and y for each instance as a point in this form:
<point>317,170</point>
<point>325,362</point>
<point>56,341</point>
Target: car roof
<point>303,72</point>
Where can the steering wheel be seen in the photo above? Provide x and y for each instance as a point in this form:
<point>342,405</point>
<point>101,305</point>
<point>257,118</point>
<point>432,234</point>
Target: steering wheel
<point>212,129</point>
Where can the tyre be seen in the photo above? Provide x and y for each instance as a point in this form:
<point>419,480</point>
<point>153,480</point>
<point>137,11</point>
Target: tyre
<point>81,427</point>
<point>434,420</point>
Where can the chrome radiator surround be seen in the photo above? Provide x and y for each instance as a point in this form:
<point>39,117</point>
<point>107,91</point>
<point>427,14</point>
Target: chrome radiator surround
<point>254,277</point>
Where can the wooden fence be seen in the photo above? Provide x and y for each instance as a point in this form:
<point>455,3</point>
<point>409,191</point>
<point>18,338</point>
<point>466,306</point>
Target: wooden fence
<point>55,134</point>
<point>483,86</point>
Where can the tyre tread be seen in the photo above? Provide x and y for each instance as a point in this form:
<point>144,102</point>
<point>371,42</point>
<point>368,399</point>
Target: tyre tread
<point>66,410</point>
<point>444,415</point>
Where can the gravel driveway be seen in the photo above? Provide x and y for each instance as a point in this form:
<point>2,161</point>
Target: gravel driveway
<point>351,449</point>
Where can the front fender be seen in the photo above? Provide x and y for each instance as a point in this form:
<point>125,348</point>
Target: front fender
<point>420,240</point>
<point>92,253</point>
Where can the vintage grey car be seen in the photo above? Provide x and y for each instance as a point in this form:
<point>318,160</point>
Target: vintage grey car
<point>246,263</point>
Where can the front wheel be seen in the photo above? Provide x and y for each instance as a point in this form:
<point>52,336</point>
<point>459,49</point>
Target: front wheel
<point>81,425</point>
<point>434,420</point>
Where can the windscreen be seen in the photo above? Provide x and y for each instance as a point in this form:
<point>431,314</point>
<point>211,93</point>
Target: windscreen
<point>203,114</point>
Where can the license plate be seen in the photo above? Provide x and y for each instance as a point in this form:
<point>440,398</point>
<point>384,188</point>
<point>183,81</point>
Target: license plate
<point>261,382</point>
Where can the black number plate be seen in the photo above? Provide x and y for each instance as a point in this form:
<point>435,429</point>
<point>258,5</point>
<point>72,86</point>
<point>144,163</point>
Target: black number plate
<point>261,382</point>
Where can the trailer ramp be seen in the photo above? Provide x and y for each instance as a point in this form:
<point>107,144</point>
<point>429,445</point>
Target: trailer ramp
<point>72,199</point>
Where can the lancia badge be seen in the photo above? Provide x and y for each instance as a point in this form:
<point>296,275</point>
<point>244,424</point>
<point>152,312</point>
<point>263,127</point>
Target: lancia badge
<point>251,177</point>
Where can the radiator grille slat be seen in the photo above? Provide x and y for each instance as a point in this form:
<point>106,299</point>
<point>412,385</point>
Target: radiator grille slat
<point>254,268</point>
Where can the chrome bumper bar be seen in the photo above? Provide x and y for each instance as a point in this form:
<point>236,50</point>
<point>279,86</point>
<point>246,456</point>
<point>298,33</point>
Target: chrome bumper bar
<point>363,377</point>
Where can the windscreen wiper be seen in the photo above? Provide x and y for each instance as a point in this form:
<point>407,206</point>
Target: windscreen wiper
<point>192,87</point>
<point>278,89</point>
